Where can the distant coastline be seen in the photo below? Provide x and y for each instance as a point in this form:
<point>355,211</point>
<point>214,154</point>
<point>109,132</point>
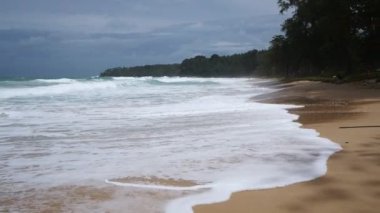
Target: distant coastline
<point>254,63</point>
<point>237,65</point>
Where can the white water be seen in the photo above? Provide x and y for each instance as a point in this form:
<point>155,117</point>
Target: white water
<point>70,132</point>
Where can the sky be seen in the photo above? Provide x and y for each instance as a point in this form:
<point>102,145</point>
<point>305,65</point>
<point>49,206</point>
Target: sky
<point>81,38</point>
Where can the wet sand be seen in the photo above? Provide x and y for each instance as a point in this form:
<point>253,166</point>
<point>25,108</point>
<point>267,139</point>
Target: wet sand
<point>96,197</point>
<point>352,183</point>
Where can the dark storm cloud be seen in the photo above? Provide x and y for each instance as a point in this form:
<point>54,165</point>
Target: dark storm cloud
<point>81,38</point>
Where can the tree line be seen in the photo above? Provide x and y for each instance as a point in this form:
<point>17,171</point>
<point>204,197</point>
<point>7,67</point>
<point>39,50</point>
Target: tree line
<point>321,38</point>
<point>236,65</point>
<point>140,71</point>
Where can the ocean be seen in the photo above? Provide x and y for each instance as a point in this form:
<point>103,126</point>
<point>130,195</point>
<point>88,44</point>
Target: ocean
<point>146,144</point>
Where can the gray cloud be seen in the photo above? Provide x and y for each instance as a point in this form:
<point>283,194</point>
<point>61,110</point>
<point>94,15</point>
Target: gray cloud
<point>44,38</point>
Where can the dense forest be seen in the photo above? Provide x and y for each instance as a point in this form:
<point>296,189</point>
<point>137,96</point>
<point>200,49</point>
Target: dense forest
<point>140,71</point>
<point>325,37</point>
<point>321,38</point>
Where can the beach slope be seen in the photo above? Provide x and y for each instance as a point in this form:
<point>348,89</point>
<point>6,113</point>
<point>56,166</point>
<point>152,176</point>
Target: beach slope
<point>348,114</point>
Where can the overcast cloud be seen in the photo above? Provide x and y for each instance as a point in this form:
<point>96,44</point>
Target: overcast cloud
<point>68,38</point>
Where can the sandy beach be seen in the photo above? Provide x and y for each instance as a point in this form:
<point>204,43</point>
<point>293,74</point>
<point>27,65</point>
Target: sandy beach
<point>348,114</point>
<point>352,183</point>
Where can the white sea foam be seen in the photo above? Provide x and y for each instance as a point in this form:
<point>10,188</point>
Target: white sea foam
<point>160,187</point>
<point>204,130</point>
<point>57,87</point>
<point>57,81</point>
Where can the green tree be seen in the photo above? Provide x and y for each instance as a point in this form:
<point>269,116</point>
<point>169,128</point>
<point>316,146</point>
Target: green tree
<point>324,35</point>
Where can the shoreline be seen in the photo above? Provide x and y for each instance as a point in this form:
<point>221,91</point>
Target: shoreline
<point>352,182</point>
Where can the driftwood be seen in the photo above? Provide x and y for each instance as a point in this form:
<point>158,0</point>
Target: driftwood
<point>351,127</point>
